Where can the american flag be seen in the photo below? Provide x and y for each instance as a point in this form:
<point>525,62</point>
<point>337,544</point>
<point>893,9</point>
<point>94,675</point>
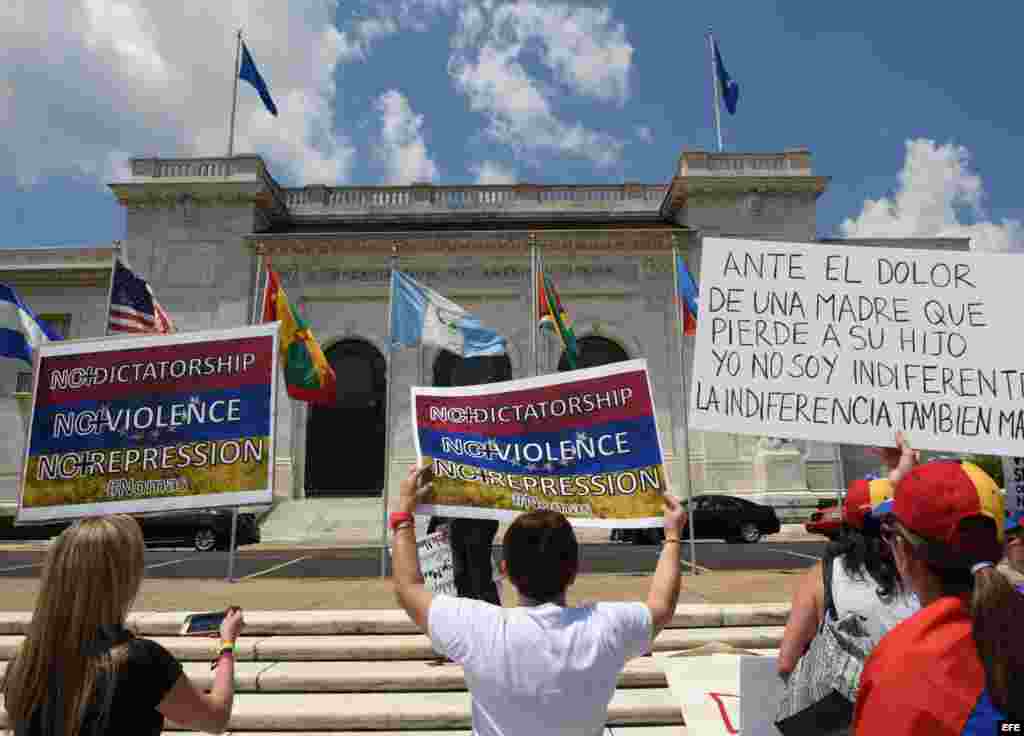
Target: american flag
<point>133,307</point>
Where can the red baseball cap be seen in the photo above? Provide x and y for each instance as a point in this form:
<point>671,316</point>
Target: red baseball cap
<point>861,497</point>
<point>934,499</point>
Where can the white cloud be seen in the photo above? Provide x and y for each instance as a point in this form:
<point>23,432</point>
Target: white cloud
<point>645,134</point>
<point>936,186</point>
<point>490,72</point>
<point>583,47</point>
<point>402,148</point>
<point>355,43</point>
<point>86,80</point>
<point>492,172</point>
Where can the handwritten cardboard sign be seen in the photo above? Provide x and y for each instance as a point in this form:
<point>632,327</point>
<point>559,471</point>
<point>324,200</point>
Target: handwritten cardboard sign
<point>725,694</point>
<point>850,344</point>
<point>1013,481</point>
<point>436,563</point>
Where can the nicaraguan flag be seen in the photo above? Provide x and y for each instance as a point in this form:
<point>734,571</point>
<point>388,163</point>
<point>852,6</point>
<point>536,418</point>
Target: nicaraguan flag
<point>21,331</point>
<point>251,74</point>
<point>730,89</point>
<point>421,316</point>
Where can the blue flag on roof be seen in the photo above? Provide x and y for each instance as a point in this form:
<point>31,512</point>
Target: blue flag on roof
<point>21,331</point>
<point>251,74</point>
<point>730,89</point>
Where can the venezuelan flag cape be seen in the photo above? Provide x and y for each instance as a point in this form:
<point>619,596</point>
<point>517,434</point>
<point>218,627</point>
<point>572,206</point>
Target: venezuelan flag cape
<point>687,298</point>
<point>925,677</point>
<point>307,374</point>
<point>553,316</point>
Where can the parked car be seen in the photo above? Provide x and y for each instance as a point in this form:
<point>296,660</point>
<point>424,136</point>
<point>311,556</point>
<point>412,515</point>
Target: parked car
<point>827,521</point>
<point>204,530</point>
<point>719,517</point>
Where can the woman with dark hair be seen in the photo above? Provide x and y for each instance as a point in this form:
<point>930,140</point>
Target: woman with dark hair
<point>856,575</point>
<point>957,667</point>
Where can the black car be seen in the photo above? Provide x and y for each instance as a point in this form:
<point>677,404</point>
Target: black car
<point>719,517</point>
<point>204,530</point>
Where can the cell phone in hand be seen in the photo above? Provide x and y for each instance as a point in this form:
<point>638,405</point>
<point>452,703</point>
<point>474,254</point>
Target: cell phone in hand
<point>203,624</point>
<point>427,476</point>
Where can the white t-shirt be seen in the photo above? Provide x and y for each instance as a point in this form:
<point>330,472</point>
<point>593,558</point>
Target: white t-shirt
<point>543,669</point>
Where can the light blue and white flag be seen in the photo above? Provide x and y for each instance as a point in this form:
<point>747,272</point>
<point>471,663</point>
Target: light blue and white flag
<point>21,331</point>
<point>421,316</point>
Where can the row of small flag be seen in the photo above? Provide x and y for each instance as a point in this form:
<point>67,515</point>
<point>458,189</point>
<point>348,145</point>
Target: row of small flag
<point>419,316</point>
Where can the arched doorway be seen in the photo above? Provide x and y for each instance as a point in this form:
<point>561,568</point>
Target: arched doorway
<point>345,442</point>
<point>452,370</point>
<point>594,351</point>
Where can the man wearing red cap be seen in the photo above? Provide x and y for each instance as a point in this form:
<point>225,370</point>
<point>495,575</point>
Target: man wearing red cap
<point>957,666</point>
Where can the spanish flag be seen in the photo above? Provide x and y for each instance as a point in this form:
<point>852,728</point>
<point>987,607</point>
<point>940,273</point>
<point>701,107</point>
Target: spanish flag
<point>553,316</point>
<point>307,374</point>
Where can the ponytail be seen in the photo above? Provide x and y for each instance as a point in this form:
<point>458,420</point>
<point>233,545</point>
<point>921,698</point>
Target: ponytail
<point>997,610</point>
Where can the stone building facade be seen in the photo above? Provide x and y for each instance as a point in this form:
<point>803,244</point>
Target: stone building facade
<point>196,229</point>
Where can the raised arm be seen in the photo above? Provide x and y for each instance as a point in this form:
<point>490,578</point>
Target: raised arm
<point>412,594</point>
<point>187,705</point>
<point>805,616</point>
<point>664,592</point>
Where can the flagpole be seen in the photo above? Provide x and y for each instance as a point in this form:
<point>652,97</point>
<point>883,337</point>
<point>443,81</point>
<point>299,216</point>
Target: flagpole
<point>110,290</point>
<point>534,304</point>
<point>714,87</point>
<point>684,435</point>
<point>234,95</point>
<point>234,512</point>
<point>391,376</point>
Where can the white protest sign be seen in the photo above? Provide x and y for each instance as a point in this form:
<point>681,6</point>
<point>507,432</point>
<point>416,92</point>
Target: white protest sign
<point>850,344</point>
<point>436,564</point>
<point>1013,482</point>
<point>761,691</point>
<point>708,690</point>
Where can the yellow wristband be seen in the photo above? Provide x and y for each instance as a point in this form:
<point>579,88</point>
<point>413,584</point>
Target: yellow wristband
<point>226,645</point>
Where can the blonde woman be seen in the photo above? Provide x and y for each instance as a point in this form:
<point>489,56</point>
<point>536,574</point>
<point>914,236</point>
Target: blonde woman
<point>81,673</point>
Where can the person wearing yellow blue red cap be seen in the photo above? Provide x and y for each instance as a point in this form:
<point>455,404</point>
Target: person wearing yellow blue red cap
<point>856,575</point>
<point>957,666</point>
<point>1013,566</point>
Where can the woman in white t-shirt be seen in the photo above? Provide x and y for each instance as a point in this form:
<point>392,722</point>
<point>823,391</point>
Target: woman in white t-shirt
<point>864,579</point>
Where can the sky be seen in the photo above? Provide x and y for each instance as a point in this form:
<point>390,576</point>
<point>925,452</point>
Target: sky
<point>913,112</point>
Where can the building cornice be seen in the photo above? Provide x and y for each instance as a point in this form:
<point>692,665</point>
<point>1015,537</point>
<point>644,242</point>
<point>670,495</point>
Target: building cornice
<point>508,242</point>
<point>88,266</point>
<point>204,181</point>
<point>693,189</point>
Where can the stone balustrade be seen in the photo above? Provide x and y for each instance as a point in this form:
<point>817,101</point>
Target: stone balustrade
<point>792,162</point>
<point>345,201</point>
<point>425,198</point>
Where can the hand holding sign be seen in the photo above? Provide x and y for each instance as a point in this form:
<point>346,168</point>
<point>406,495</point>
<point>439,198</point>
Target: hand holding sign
<point>415,485</point>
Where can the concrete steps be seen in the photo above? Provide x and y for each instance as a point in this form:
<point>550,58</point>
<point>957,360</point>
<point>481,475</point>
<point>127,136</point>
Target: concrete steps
<point>342,672</point>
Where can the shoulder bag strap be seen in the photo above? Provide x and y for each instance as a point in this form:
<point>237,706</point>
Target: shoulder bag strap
<point>826,573</point>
